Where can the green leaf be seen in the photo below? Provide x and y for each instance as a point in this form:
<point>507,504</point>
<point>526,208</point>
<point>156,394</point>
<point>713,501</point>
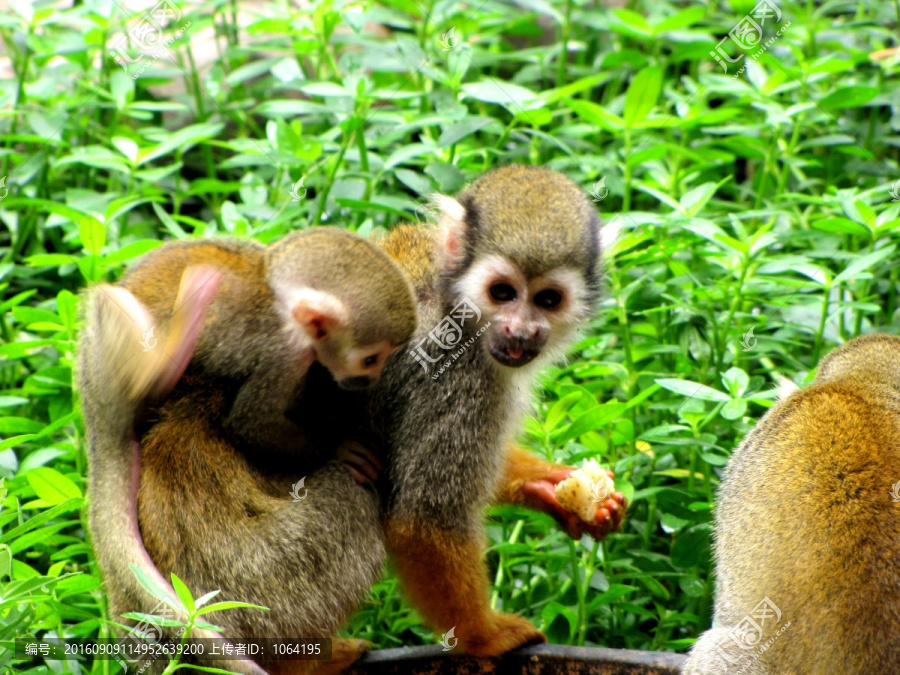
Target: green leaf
<point>154,589</point>
<point>92,234</point>
<point>615,592</point>
<point>181,140</point>
<point>51,486</point>
<point>67,306</point>
<point>122,90</point>
<point>220,606</point>
<point>555,609</point>
<point>595,114</point>
<point>154,619</point>
<point>325,89</point>
<point>132,250</point>
<point>202,600</point>
<point>642,95</point>
<point>630,23</point>
<point>40,519</point>
<point>692,389</point>
<point>505,93</point>
<point>683,19</point>
<point>62,210</point>
<point>557,413</point>
<point>848,97</point>
<point>19,425</point>
<point>855,270</point>
<point>168,222</point>
<point>126,146</point>
<point>840,225</point>
<point>593,419</point>
<point>736,381</point>
<point>695,199</point>
<point>183,594</point>
<point>734,409</point>
<point>467,127</point>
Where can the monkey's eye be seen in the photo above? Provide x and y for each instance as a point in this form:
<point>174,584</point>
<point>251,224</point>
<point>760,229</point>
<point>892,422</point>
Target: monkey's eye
<point>503,292</point>
<point>548,298</point>
<point>370,360</point>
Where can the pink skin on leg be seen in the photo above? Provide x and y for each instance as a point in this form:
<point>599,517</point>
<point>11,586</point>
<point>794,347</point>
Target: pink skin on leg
<point>198,288</point>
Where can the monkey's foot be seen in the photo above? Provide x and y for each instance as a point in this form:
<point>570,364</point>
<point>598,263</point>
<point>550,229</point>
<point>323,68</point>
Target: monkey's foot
<point>500,634</point>
<point>361,462</point>
<point>344,653</point>
<point>609,513</point>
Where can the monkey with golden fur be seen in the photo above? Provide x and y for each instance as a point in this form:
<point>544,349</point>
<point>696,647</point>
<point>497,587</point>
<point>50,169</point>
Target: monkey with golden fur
<point>515,263</point>
<point>318,294</point>
<point>807,541</point>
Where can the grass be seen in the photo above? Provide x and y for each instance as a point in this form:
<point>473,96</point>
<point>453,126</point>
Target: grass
<point>756,200</point>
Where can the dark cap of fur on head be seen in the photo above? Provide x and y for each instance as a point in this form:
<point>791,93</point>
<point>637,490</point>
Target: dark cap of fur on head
<point>336,261</point>
<point>869,357</point>
<point>534,216</point>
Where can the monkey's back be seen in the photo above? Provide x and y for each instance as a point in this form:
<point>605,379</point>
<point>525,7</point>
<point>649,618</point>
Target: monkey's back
<point>805,518</point>
<point>413,247</point>
<point>219,521</point>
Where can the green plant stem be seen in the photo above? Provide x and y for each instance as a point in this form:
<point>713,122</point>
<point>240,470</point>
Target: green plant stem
<point>590,567</point>
<point>817,346</point>
<point>329,182</point>
<point>579,588</point>
<point>626,171</point>
<point>736,301</point>
<point>564,35</point>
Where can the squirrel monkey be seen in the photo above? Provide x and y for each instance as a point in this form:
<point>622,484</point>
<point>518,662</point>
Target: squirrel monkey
<point>515,266</point>
<point>237,528</point>
<point>807,539</point>
<point>236,305</point>
<point>320,294</point>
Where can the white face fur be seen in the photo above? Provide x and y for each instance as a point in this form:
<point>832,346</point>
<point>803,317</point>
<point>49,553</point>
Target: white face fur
<point>317,325</point>
<point>528,317</point>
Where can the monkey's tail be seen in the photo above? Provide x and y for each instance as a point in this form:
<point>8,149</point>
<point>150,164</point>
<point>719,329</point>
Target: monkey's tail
<point>122,367</point>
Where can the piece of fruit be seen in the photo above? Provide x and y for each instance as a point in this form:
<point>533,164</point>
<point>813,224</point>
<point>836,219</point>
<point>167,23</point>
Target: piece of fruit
<point>585,490</point>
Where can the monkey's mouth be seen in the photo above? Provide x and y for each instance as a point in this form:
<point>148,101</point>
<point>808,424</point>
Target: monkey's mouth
<point>513,355</point>
<point>356,383</point>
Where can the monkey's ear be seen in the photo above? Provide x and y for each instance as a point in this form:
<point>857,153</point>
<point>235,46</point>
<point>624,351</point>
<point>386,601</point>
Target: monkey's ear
<point>318,314</point>
<point>452,223</point>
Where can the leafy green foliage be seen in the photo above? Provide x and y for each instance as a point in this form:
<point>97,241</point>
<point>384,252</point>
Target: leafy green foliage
<point>753,193</point>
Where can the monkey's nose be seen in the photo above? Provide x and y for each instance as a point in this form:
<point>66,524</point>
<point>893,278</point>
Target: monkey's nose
<point>522,335</point>
<point>355,383</point>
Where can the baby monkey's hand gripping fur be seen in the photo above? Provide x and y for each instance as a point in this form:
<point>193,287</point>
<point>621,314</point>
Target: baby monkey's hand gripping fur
<point>515,263</point>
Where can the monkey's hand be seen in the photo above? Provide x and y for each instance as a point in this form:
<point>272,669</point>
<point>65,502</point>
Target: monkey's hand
<point>530,481</point>
<point>361,462</point>
<point>541,494</point>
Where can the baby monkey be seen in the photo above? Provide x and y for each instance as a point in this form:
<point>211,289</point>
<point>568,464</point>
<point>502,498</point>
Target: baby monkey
<point>322,294</point>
